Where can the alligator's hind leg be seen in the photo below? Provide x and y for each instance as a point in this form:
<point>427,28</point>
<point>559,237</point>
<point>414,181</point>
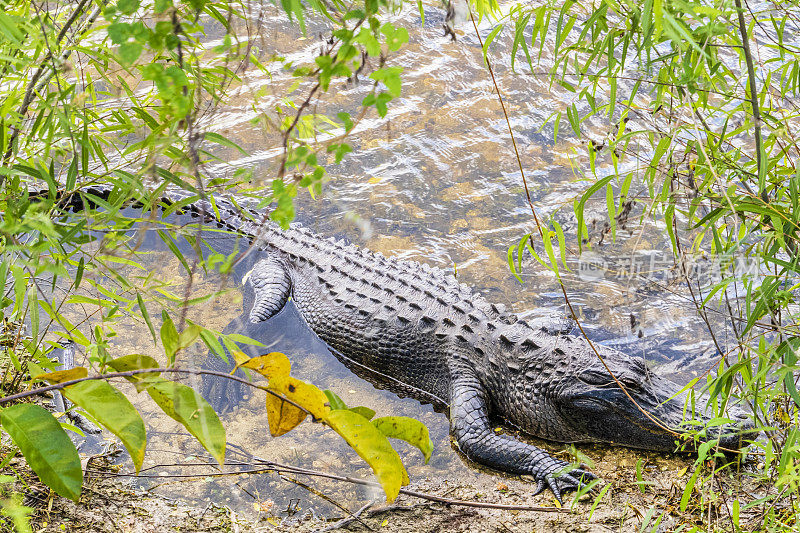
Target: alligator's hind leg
<point>469,424</point>
<point>271,286</point>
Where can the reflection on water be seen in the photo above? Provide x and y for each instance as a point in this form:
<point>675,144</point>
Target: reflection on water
<point>436,182</point>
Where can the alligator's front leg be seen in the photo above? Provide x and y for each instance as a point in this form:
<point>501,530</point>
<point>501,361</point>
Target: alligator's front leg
<point>469,424</point>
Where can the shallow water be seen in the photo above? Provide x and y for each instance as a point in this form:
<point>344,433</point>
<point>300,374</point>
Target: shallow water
<point>437,182</point>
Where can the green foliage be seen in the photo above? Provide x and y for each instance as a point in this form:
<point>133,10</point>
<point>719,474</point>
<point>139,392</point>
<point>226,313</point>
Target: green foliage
<point>113,410</point>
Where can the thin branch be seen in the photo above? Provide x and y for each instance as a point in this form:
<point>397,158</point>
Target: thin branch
<point>131,373</point>
<point>751,76</point>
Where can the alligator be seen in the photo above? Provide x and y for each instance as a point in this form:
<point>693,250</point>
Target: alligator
<point>416,331</point>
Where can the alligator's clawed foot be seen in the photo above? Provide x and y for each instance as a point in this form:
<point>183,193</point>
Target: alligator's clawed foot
<point>558,478</point>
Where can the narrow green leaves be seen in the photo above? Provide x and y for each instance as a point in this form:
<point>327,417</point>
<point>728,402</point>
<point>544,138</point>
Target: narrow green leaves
<point>169,337</point>
<point>581,204</point>
<point>46,447</point>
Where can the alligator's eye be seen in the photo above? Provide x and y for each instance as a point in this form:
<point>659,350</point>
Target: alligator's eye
<point>596,377</point>
<point>629,383</point>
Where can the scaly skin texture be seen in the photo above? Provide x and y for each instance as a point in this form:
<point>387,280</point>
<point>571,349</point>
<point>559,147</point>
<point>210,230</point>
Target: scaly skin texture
<point>414,330</point>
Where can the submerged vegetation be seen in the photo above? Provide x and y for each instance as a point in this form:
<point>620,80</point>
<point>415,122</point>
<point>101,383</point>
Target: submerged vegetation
<point>702,103</point>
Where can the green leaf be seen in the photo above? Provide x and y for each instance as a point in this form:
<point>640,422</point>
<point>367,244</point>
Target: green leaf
<point>185,405</point>
<point>580,205</point>
<point>162,5</point>
<point>395,37</point>
<point>337,403</point>
<point>390,76</point>
<point>128,7</point>
<point>366,412</point>
<point>372,446</point>
<point>46,447</point>
<point>169,337</point>
<point>408,429</point>
<point>598,499</point>
<point>145,314</point>
<point>547,240</point>
<point>136,361</point>
<point>334,401</point>
<point>130,52</point>
<point>224,141</point>
<point>33,304</point>
<point>488,41</point>
<point>10,28</point>
<point>511,263</point>
<point>212,342</point>
<point>174,249</point>
<point>189,335</point>
<point>79,273</point>
<point>371,44</point>
<point>788,350</point>
<point>119,32</point>
<point>562,243</point>
<point>112,409</point>
<point>574,119</point>
<point>688,490</point>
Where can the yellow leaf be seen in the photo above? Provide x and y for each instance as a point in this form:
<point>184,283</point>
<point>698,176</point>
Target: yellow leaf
<point>372,446</point>
<point>408,429</point>
<point>373,180</point>
<point>60,376</point>
<point>272,365</point>
<point>282,416</point>
<point>303,394</point>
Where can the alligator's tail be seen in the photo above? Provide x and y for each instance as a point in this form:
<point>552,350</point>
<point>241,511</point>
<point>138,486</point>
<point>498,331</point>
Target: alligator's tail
<point>237,214</point>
